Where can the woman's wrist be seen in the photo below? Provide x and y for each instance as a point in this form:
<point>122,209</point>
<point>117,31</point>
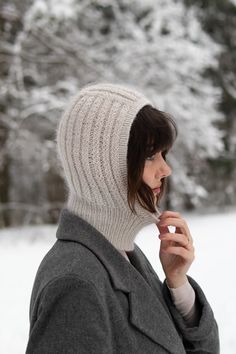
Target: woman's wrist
<point>176,282</point>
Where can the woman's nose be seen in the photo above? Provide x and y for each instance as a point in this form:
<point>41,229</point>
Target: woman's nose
<point>163,170</point>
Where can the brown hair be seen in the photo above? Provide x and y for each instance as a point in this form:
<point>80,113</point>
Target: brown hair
<point>152,131</point>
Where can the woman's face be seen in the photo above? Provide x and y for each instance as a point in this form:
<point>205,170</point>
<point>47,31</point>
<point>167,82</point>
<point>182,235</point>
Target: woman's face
<point>155,169</point>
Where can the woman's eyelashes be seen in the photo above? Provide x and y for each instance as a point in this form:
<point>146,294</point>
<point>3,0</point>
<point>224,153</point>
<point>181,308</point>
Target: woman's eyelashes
<point>150,158</point>
<point>153,156</point>
<point>163,154</point>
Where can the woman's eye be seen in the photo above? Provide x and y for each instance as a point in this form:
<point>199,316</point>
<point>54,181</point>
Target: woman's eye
<point>150,158</point>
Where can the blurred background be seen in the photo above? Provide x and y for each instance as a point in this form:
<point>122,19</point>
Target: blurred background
<point>181,54</point>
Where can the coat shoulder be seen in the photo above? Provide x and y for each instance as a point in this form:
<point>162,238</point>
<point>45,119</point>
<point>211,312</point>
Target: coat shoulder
<point>69,259</point>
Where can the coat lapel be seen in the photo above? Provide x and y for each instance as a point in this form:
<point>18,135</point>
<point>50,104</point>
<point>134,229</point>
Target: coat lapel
<point>147,312</point>
<point>150,317</point>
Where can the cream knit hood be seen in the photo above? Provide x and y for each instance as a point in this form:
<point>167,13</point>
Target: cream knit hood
<point>92,140</point>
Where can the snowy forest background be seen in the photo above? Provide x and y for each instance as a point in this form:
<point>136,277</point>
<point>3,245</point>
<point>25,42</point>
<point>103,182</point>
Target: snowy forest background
<point>181,54</point>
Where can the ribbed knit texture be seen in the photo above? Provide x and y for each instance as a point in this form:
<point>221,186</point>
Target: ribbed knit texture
<point>92,140</point>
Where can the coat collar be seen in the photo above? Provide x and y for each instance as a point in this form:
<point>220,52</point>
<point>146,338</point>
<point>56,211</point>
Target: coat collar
<point>148,316</point>
<point>73,228</point>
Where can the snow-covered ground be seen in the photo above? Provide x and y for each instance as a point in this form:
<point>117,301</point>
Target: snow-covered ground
<point>22,249</point>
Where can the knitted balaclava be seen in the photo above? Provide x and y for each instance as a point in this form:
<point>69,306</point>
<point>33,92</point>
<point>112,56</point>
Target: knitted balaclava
<point>92,143</point>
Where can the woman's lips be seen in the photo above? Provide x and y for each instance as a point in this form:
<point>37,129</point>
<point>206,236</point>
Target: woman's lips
<point>156,190</point>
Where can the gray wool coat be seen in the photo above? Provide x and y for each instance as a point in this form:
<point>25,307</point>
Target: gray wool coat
<point>88,299</point>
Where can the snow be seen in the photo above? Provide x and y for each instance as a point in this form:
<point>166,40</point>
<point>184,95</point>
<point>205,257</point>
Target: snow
<point>21,250</point>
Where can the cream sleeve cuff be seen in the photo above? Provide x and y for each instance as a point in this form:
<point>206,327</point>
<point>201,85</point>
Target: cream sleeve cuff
<point>183,298</point>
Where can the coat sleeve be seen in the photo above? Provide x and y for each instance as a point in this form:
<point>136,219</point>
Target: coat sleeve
<point>203,338</point>
<point>69,318</point>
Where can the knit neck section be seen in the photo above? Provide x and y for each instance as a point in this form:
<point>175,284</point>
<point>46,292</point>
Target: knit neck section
<point>119,227</point>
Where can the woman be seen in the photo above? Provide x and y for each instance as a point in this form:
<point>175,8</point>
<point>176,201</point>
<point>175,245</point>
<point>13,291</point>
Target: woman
<point>95,291</point>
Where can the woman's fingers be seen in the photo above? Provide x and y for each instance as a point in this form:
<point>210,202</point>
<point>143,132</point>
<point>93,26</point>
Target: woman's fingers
<point>169,213</point>
<point>173,222</point>
<point>179,223</point>
<point>163,229</point>
<point>180,251</point>
<point>179,238</point>
<point>176,249</point>
<point>178,245</point>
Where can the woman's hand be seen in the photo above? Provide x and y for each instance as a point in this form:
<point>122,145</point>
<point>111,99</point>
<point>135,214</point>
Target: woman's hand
<point>176,250</point>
